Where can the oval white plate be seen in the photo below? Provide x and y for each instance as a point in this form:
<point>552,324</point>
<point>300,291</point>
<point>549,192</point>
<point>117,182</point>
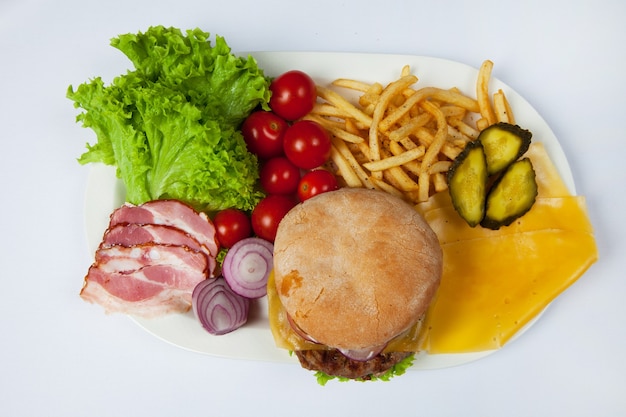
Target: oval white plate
<point>254,341</point>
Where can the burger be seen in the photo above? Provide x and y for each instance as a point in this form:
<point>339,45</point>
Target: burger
<point>354,273</point>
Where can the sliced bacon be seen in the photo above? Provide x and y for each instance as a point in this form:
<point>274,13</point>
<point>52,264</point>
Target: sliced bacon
<point>170,213</point>
<point>149,273</point>
<point>145,282</point>
<point>131,258</point>
<point>139,234</point>
<point>134,294</point>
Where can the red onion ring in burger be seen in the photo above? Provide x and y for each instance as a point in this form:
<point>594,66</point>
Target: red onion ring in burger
<point>360,355</point>
<point>363,355</point>
<point>299,331</point>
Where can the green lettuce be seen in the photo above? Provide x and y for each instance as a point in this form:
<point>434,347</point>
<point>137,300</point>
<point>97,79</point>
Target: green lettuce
<point>170,125</point>
<point>396,370</point>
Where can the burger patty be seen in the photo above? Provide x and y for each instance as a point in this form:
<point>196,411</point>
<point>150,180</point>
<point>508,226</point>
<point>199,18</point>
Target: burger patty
<point>332,362</point>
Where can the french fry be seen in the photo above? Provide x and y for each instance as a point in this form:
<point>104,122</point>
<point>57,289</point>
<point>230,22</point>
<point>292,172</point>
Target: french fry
<point>335,128</point>
<point>400,180</point>
<point>440,166</point>
<point>502,108</point>
<point>344,105</point>
<point>388,188</point>
<point>482,92</point>
<point>395,160</point>
<point>450,110</point>
<point>379,111</point>
<point>344,151</point>
<point>509,110</point>
<point>433,149</point>
<point>345,169</point>
<point>328,110</point>
<point>440,182</point>
<point>482,124</point>
<point>371,96</point>
<point>457,136</point>
<point>463,127</point>
<point>352,84</point>
<point>409,127</point>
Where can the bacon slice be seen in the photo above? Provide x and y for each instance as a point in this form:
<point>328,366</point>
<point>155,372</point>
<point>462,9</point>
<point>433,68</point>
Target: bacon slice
<point>139,234</point>
<point>136,293</point>
<point>128,279</point>
<point>170,213</point>
<point>131,258</point>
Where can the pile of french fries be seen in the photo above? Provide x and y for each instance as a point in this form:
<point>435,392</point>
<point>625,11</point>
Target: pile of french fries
<point>402,139</point>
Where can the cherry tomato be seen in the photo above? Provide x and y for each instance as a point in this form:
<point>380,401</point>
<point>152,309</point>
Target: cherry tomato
<point>279,176</point>
<point>263,132</point>
<point>232,225</point>
<point>307,144</point>
<point>316,182</point>
<point>293,95</point>
<point>268,213</point>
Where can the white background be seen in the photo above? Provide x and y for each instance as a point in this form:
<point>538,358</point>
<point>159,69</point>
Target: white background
<point>60,356</point>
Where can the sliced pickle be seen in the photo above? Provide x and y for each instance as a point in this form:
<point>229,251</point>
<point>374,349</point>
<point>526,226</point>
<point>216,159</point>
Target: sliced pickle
<point>503,143</point>
<point>511,196</point>
<point>467,183</point>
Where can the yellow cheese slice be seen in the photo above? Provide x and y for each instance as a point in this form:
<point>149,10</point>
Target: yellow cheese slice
<point>549,182</point>
<point>491,287</point>
<point>565,213</point>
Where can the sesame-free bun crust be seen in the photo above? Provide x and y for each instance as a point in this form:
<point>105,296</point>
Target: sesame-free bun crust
<point>355,267</point>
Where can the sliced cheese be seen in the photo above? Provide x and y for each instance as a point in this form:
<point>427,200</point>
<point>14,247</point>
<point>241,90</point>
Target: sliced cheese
<point>491,287</point>
<point>566,213</point>
<point>549,181</point>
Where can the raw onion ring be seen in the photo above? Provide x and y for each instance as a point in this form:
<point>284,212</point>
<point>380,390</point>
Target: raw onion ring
<point>247,266</point>
<point>363,355</point>
<point>217,307</point>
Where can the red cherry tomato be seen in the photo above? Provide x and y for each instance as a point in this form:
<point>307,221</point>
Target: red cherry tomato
<point>279,176</point>
<point>307,144</point>
<point>316,182</point>
<point>268,213</point>
<point>232,225</point>
<point>263,132</point>
<point>293,95</point>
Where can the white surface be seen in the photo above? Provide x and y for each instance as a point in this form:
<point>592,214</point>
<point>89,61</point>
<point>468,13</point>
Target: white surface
<point>63,357</point>
<point>104,192</point>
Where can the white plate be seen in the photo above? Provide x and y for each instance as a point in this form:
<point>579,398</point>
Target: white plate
<point>254,341</point>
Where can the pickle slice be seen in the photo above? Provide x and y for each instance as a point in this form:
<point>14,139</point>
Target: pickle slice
<point>503,143</point>
<point>467,183</point>
<point>511,196</point>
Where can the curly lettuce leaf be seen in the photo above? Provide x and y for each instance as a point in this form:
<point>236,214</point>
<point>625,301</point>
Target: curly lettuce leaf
<point>221,84</point>
<point>170,125</point>
<point>396,370</point>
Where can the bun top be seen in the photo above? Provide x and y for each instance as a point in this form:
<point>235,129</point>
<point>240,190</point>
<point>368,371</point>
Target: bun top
<point>355,267</point>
